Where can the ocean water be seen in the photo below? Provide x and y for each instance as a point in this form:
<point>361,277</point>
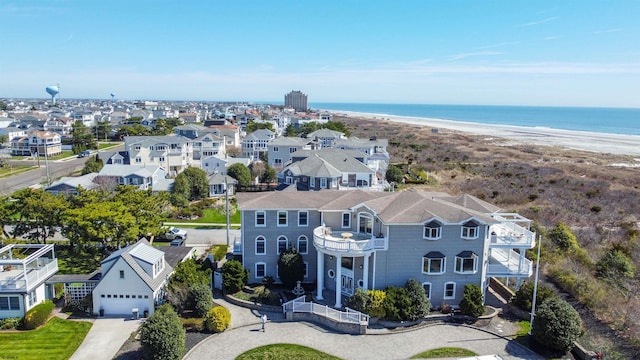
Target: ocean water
<point>600,120</point>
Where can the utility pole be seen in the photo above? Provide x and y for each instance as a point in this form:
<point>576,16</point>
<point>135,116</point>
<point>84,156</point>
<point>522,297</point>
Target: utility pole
<point>535,286</point>
<point>226,192</point>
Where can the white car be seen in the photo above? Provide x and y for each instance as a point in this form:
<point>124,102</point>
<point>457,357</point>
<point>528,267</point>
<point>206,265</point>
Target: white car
<point>173,233</point>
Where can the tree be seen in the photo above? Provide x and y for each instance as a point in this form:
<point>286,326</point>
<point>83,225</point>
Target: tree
<point>40,214</point>
<point>472,303</point>
<point>241,173</point>
<point>420,305</point>
<point>82,137</point>
<point>359,300</point>
<point>3,105</point>
<point>253,126</point>
<point>162,335</point>
<point>234,276</point>
<point>92,165</point>
<point>181,191</point>
<point>202,300</point>
<point>338,126</point>
<point>151,210</point>
<point>290,130</point>
<point>4,138</point>
<point>396,303</point>
<point>269,175</point>
<point>196,183</point>
<point>257,168</point>
<point>166,126</point>
<point>108,222</point>
<point>394,174</point>
<point>524,295</point>
<point>290,267</point>
<point>557,325</point>
<point>103,129</point>
<point>563,237</point>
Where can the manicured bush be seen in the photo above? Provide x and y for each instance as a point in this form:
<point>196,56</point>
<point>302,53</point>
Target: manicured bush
<point>359,300</point>
<point>420,305</point>
<point>290,267</point>
<point>10,323</point>
<point>217,319</point>
<point>193,324</point>
<point>524,295</point>
<point>472,303</point>
<point>556,324</point>
<point>234,276</point>
<point>375,306</point>
<point>38,315</point>
<point>396,304</point>
<point>162,336</point>
<point>202,299</point>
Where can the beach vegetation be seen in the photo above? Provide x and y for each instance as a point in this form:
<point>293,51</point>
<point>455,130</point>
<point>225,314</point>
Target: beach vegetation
<point>557,325</point>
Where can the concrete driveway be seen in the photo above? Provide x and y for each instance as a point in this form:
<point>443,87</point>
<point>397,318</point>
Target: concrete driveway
<point>105,338</point>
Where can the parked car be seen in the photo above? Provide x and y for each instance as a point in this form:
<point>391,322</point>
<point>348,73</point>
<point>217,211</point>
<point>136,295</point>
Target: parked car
<point>84,154</point>
<point>177,242</point>
<point>173,233</point>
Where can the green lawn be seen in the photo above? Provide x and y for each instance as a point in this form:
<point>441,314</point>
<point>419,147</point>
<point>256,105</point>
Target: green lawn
<point>102,145</point>
<point>284,352</point>
<point>58,339</point>
<point>444,353</point>
<point>11,170</point>
<point>212,216</point>
<point>65,154</point>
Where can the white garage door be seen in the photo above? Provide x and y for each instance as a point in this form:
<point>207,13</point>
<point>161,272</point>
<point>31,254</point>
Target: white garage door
<point>122,304</point>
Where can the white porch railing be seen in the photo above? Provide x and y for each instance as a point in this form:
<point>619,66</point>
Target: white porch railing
<point>349,316</point>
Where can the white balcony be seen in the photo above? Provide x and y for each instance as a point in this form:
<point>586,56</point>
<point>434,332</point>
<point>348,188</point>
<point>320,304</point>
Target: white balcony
<point>508,263</point>
<point>24,278</point>
<point>346,242</point>
<point>511,235</point>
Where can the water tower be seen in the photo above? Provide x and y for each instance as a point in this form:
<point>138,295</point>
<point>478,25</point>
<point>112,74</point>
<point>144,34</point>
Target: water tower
<point>113,97</point>
<point>53,91</point>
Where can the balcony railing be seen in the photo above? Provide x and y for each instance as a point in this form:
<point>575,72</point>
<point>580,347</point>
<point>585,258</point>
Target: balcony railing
<point>511,235</point>
<point>346,241</point>
<point>24,279</point>
<point>505,263</point>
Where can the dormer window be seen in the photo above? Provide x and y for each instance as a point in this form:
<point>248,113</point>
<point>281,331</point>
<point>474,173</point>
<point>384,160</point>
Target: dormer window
<point>432,230</point>
<point>470,230</point>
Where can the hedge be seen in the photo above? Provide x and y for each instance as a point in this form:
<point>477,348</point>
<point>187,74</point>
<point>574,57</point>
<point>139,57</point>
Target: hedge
<point>38,315</point>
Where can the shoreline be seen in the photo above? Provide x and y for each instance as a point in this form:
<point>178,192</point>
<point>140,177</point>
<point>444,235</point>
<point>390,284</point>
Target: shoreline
<point>617,144</point>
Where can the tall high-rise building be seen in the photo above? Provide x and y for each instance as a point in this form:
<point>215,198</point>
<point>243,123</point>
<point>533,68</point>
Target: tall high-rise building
<point>297,100</point>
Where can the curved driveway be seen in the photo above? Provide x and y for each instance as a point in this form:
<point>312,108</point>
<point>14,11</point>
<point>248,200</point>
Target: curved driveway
<point>245,334</point>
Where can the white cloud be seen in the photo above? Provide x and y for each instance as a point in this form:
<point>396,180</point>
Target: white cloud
<point>533,23</point>
<point>477,53</point>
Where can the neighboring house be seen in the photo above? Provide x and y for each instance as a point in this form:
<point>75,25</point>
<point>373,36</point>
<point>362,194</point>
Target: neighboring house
<point>230,134</point>
<point>190,117</point>
<point>208,145</point>
<point>257,143</point>
<point>372,240</point>
<point>24,268</point>
<point>218,164</point>
<point>218,185</point>
<point>60,125</point>
<point>13,132</point>
<point>174,153</point>
<point>86,117</point>
<point>42,143</point>
<point>280,149</point>
<point>114,157</point>
<point>132,278</point>
<point>374,148</point>
<point>70,185</point>
<point>326,137</point>
<point>118,117</point>
<point>144,177</point>
<point>329,169</point>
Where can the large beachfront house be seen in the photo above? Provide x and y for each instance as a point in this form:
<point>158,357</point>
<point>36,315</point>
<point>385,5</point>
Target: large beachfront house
<point>372,240</point>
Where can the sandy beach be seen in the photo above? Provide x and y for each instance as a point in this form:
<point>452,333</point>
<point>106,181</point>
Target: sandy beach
<point>580,140</point>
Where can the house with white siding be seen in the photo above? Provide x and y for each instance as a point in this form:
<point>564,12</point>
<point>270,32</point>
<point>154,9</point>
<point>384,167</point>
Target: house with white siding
<point>174,153</point>
<point>372,240</point>
<point>257,142</point>
<point>281,148</point>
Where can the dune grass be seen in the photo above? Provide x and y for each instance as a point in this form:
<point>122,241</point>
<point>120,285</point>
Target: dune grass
<point>284,352</point>
<point>58,339</point>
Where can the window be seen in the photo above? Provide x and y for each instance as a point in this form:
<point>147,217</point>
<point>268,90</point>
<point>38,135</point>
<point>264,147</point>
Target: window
<point>138,159</point>
<point>323,183</point>
<point>282,218</point>
<point>275,149</point>
<point>277,162</point>
<point>283,244</point>
<point>303,218</point>
<point>121,274</point>
<point>365,225</point>
<point>312,183</point>
<point>427,289</point>
<point>346,220</point>
<point>137,147</point>
<point>9,303</point>
<point>260,218</point>
<point>466,262</point>
<point>261,245</point>
<point>261,270</point>
<point>306,269</point>
<point>432,230</point>
<point>450,290</point>
<point>161,159</point>
<point>433,263</point>
<point>303,245</point>
<point>32,298</point>
<point>470,230</point>
<point>292,150</point>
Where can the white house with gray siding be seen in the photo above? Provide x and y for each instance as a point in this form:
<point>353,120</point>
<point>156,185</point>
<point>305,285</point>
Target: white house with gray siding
<point>372,240</point>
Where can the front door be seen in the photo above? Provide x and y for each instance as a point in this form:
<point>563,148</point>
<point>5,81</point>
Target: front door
<point>346,283</point>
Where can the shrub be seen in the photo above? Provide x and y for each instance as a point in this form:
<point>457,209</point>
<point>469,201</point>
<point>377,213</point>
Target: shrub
<point>193,324</point>
<point>615,265</point>
<point>290,267</point>
<point>563,237</point>
<point>524,295</point>
<point>10,323</point>
<point>268,281</point>
<point>472,303</point>
<point>268,297</point>
<point>38,315</point>
<point>396,304</point>
<point>359,300</point>
<point>202,299</point>
<point>420,305</point>
<point>162,336</point>
<point>556,325</point>
<point>217,319</point>
<point>234,276</point>
<point>375,306</point>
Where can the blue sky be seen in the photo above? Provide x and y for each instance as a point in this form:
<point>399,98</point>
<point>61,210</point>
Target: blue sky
<point>556,53</point>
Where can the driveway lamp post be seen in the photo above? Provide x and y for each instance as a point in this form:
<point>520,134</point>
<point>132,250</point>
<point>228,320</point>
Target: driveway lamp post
<point>535,286</point>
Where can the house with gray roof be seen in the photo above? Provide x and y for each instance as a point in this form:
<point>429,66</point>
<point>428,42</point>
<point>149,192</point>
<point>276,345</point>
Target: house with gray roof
<point>172,152</point>
<point>281,148</point>
<point>71,185</point>
<point>142,176</point>
<point>256,143</point>
<point>372,240</point>
<point>217,164</point>
<point>219,183</point>
<point>326,137</point>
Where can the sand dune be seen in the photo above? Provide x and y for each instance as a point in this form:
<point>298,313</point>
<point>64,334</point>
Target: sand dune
<point>581,140</point>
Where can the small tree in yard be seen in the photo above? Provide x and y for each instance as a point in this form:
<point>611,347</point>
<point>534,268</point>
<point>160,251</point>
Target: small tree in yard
<point>396,303</point>
<point>524,295</point>
<point>556,324</point>
<point>290,267</point>
<point>420,305</point>
<point>202,299</point>
<point>472,303</point>
<point>234,276</point>
<point>162,335</point>
<point>359,300</point>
